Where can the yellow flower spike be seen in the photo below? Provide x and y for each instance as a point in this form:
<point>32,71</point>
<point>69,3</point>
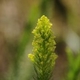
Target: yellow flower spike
<point>43,56</point>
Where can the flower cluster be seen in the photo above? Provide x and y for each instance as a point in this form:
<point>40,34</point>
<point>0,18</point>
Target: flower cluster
<point>43,55</point>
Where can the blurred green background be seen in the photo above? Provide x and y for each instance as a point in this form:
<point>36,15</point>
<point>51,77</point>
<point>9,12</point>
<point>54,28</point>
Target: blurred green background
<point>17,20</point>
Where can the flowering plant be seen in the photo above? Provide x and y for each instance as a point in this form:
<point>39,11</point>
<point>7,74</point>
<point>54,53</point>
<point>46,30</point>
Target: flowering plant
<point>43,56</point>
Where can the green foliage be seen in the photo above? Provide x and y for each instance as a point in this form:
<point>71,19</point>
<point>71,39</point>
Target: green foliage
<point>74,65</point>
<point>43,56</point>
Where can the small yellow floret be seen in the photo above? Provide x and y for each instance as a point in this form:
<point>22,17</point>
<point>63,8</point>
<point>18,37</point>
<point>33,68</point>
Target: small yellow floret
<point>31,56</point>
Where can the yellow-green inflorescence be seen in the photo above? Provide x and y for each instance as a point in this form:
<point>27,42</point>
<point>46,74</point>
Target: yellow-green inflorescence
<point>43,56</point>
